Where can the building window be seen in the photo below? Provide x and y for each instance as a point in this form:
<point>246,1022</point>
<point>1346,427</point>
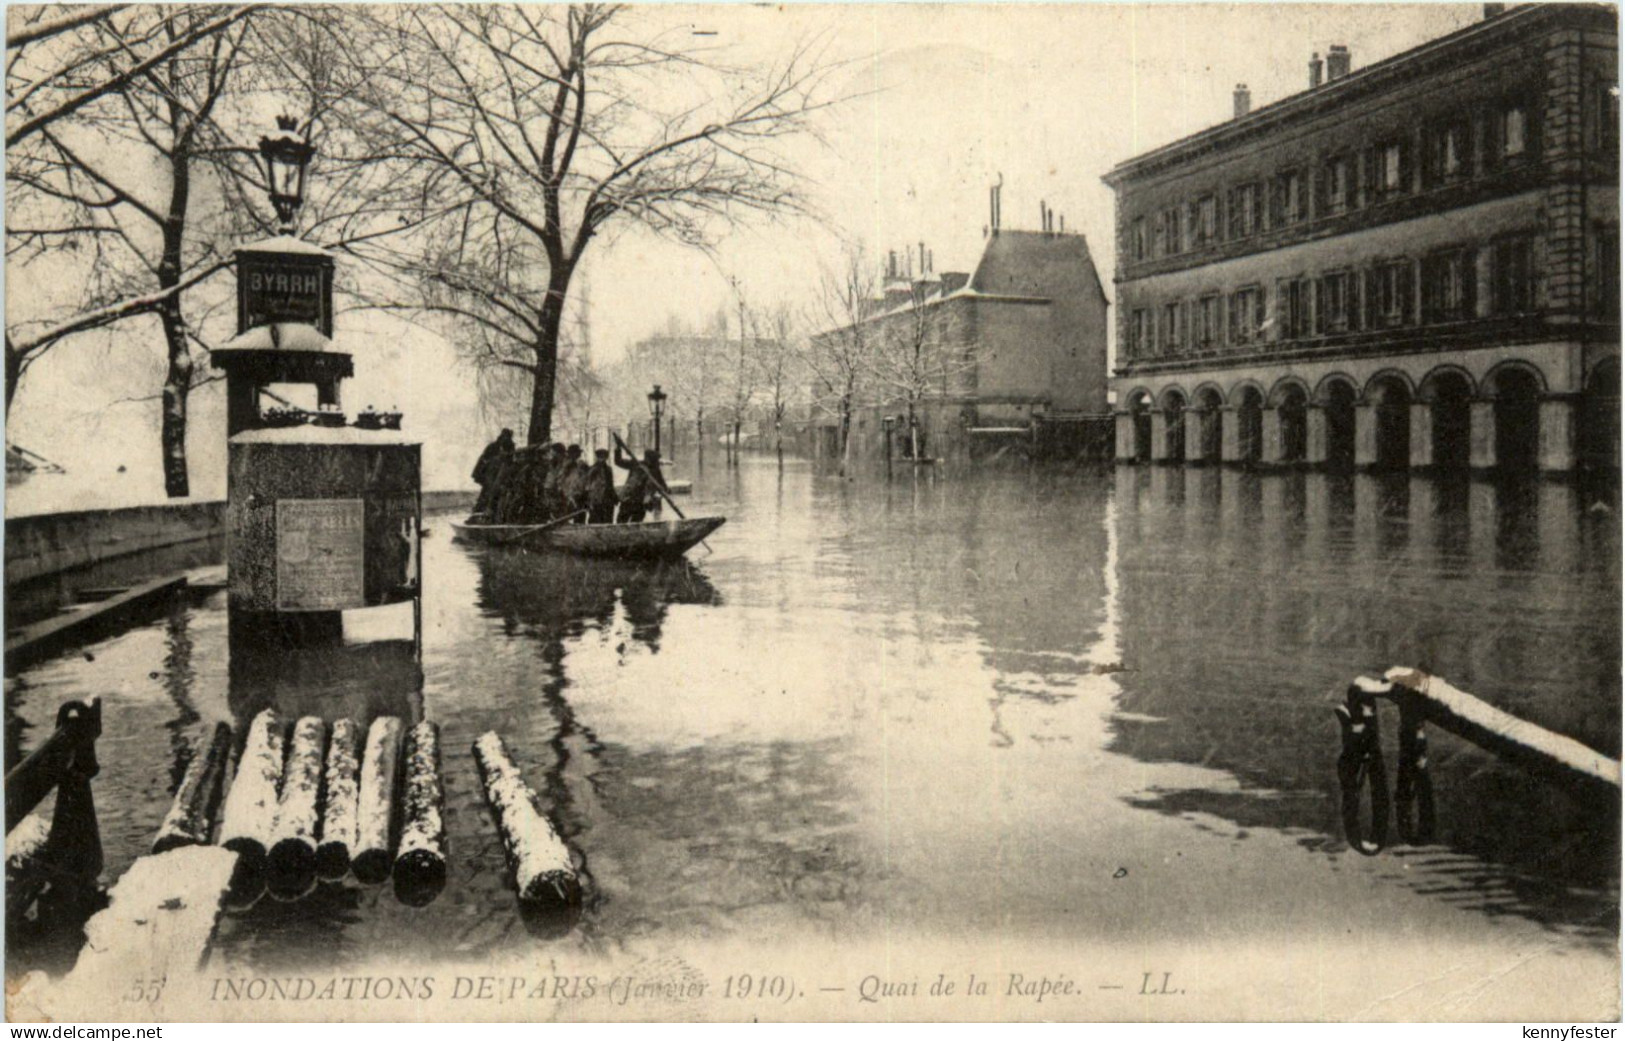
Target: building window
<point>1286,200</point>
<point>1207,320</point>
<point>1605,113</point>
<point>1334,184</point>
<point>1137,243</point>
<point>1513,276</point>
<point>1607,280</point>
<point>1389,295</point>
<point>1514,131</point>
<point>1204,223</point>
<point>1170,327</point>
<point>1293,303</point>
<point>1449,284</point>
<point>1244,210</point>
<point>1446,153</point>
<point>1392,168</point>
<point>1332,316</point>
<point>1138,338</point>
<point>1168,233</point>
<point>1246,315</point>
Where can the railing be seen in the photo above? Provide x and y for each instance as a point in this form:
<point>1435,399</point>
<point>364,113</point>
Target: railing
<point>1423,699</point>
<point>55,864</point>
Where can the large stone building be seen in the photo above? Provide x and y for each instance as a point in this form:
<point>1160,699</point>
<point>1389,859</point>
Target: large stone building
<point>1015,350</point>
<point>1412,264</point>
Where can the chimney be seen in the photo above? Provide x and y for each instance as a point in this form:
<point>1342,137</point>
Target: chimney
<point>1494,11</point>
<point>1043,217</point>
<point>931,260</point>
<point>1063,224</point>
<point>1244,100</point>
<point>1314,70</point>
<point>1337,62</point>
<point>891,263</point>
<point>925,269</point>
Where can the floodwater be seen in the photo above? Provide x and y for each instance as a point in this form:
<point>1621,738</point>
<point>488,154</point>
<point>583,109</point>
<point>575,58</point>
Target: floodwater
<point>1052,703</point>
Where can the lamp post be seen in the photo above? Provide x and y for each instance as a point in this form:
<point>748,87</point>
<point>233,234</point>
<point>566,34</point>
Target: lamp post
<point>657,404</point>
<point>286,156</point>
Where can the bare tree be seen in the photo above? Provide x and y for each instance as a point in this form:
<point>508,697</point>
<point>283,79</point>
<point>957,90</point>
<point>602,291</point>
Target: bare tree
<point>777,361</point>
<point>922,351</point>
<point>556,123</point>
<point>149,179</point>
<point>743,373</point>
<point>841,357</point>
<point>71,75</point>
<point>123,167</point>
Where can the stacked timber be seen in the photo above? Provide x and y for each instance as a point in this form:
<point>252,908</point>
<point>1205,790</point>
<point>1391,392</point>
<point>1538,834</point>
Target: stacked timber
<point>291,864</point>
<point>248,822</point>
<point>190,821</point>
<point>325,809</point>
<point>420,863</point>
<point>343,804</point>
<point>543,875</point>
<point>380,768</point>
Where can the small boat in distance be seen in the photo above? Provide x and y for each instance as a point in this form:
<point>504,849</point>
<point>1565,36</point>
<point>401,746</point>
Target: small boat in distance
<point>645,540</point>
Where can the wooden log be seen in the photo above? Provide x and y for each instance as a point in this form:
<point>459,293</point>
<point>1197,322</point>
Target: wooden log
<point>290,868</point>
<point>543,875</point>
<point>420,862</point>
<point>248,821</point>
<point>190,821</point>
<point>1542,752</point>
<point>343,784</point>
<point>380,767</point>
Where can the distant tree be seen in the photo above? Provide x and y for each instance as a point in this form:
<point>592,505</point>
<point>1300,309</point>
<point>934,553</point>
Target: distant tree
<point>840,358</point>
<point>778,361</point>
<point>920,352</point>
<point>553,124</point>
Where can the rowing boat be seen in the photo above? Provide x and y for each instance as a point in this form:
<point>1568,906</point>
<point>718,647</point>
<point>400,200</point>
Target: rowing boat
<point>644,540</point>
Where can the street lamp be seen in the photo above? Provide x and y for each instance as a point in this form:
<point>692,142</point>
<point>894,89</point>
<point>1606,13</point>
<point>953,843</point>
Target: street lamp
<point>657,402</point>
<point>286,158</point>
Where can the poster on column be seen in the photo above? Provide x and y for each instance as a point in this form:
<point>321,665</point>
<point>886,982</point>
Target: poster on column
<point>319,554</point>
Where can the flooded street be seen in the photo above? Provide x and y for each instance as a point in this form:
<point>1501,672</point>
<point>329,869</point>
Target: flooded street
<point>1068,705</point>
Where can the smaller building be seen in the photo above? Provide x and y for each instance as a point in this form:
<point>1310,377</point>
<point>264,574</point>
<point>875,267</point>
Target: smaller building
<point>960,362</point>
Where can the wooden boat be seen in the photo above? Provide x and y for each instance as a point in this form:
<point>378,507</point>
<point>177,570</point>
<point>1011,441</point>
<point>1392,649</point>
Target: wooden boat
<point>647,540</point>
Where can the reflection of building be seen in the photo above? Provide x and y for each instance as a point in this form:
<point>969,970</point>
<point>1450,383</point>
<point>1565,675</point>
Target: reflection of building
<point>998,352</point>
<point>1411,264</point>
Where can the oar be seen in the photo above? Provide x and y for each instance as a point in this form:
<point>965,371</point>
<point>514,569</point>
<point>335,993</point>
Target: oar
<point>659,486</point>
<point>533,529</point>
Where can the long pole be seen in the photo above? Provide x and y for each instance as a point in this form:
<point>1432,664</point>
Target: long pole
<point>659,487</point>
<point>657,484</point>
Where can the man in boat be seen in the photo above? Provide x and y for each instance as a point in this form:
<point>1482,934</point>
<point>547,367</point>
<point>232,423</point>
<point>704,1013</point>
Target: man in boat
<point>574,484</point>
<point>553,483</point>
<point>521,498</point>
<point>644,482</point>
<point>600,489</point>
<point>489,466</point>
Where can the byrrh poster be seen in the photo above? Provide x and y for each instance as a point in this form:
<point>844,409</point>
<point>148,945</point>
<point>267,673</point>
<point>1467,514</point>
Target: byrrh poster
<point>954,512</point>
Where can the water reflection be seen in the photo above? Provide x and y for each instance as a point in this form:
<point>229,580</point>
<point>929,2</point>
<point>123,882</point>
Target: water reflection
<point>1236,638</point>
<point>953,701</point>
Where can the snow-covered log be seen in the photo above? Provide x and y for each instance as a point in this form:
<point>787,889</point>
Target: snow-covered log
<point>1542,752</point>
<point>190,821</point>
<point>543,875</point>
<point>249,819</point>
<point>420,861</point>
<point>380,767</point>
<point>291,866</point>
<point>342,803</point>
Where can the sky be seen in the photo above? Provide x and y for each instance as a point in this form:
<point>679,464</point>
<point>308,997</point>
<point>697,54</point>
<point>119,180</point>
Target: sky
<point>944,100</point>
